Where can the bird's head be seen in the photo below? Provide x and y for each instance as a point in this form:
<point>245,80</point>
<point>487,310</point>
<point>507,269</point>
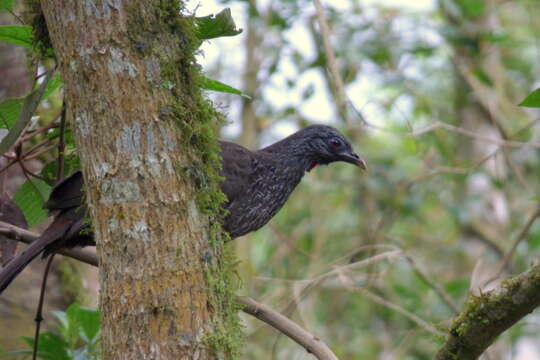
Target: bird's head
<point>327,145</point>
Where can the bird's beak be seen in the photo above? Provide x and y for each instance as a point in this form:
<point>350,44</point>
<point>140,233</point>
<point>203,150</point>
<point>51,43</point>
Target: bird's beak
<point>352,158</point>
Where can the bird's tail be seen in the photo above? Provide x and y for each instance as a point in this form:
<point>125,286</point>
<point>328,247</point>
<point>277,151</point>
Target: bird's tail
<point>17,264</point>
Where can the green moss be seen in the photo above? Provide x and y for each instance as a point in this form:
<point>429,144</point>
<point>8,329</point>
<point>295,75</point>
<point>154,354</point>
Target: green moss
<point>198,122</point>
<point>34,16</point>
<point>470,314</point>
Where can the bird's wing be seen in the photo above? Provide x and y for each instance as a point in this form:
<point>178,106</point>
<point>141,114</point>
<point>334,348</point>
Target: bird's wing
<point>67,193</point>
<point>238,167</point>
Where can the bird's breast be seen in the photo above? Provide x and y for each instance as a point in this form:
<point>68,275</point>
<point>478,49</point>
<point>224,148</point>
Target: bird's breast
<point>267,192</point>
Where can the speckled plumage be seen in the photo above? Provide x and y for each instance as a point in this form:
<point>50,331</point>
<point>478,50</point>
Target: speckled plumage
<point>256,189</point>
<point>257,184</point>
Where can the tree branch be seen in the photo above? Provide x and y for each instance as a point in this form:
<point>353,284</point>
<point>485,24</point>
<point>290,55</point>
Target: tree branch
<point>19,234</point>
<point>519,238</point>
<point>487,316</point>
<point>456,129</point>
<point>336,80</point>
<point>433,285</point>
<point>310,342</point>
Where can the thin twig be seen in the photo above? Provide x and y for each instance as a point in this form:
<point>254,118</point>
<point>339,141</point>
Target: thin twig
<point>11,163</point>
<point>27,172</point>
<point>311,284</point>
<point>519,238</point>
<point>384,302</point>
<point>438,290</point>
<point>39,312</point>
<point>439,124</point>
<point>311,343</point>
<point>28,134</point>
<point>16,17</point>
<point>332,63</point>
<point>32,150</point>
<point>39,153</point>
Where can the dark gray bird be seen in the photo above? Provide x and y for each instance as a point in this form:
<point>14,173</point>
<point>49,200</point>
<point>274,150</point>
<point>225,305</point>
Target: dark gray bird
<point>256,184</point>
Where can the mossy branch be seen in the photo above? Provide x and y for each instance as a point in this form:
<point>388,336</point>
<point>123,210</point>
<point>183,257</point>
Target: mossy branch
<point>487,316</point>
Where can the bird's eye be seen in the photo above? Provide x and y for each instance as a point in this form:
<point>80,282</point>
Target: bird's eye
<point>335,143</point>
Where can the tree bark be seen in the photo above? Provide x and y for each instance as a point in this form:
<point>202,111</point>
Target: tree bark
<point>142,132</point>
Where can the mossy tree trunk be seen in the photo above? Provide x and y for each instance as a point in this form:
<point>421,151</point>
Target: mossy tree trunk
<point>149,158</point>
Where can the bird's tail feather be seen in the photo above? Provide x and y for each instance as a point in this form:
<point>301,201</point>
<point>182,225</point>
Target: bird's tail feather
<point>17,264</point>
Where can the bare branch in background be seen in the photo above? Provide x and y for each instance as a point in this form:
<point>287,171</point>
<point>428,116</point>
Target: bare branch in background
<point>311,343</point>
<point>384,302</point>
<point>441,125</point>
<point>519,238</point>
<point>439,290</point>
<point>337,82</point>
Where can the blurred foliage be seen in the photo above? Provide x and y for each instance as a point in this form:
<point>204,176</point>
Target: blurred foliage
<point>449,196</point>
<point>17,35</point>
<point>76,337</point>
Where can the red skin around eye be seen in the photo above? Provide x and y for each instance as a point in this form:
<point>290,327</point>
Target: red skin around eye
<point>313,164</point>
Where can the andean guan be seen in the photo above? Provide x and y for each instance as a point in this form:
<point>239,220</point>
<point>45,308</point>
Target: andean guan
<point>256,184</point>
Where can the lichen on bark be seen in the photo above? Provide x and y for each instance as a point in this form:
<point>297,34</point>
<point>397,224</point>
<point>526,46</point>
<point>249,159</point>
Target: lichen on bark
<point>132,87</point>
<point>199,123</point>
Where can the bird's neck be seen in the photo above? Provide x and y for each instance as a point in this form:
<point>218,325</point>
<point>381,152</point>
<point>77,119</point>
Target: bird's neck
<point>276,171</point>
<point>292,154</point>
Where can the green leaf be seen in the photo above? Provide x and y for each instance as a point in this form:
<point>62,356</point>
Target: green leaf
<point>63,321</point>
<point>532,100</point>
<point>473,8</point>
<point>30,197</point>
<point>211,84</point>
<point>90,322</point>
<point>17,35</point>
<point>10,109</point>
<point>6,5</point>
<point>53,85</point>
<point>214,26</point>
<point>52,347</point>
<point>9,112</point>
<point>77,336</point>
<point>29,106</point>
